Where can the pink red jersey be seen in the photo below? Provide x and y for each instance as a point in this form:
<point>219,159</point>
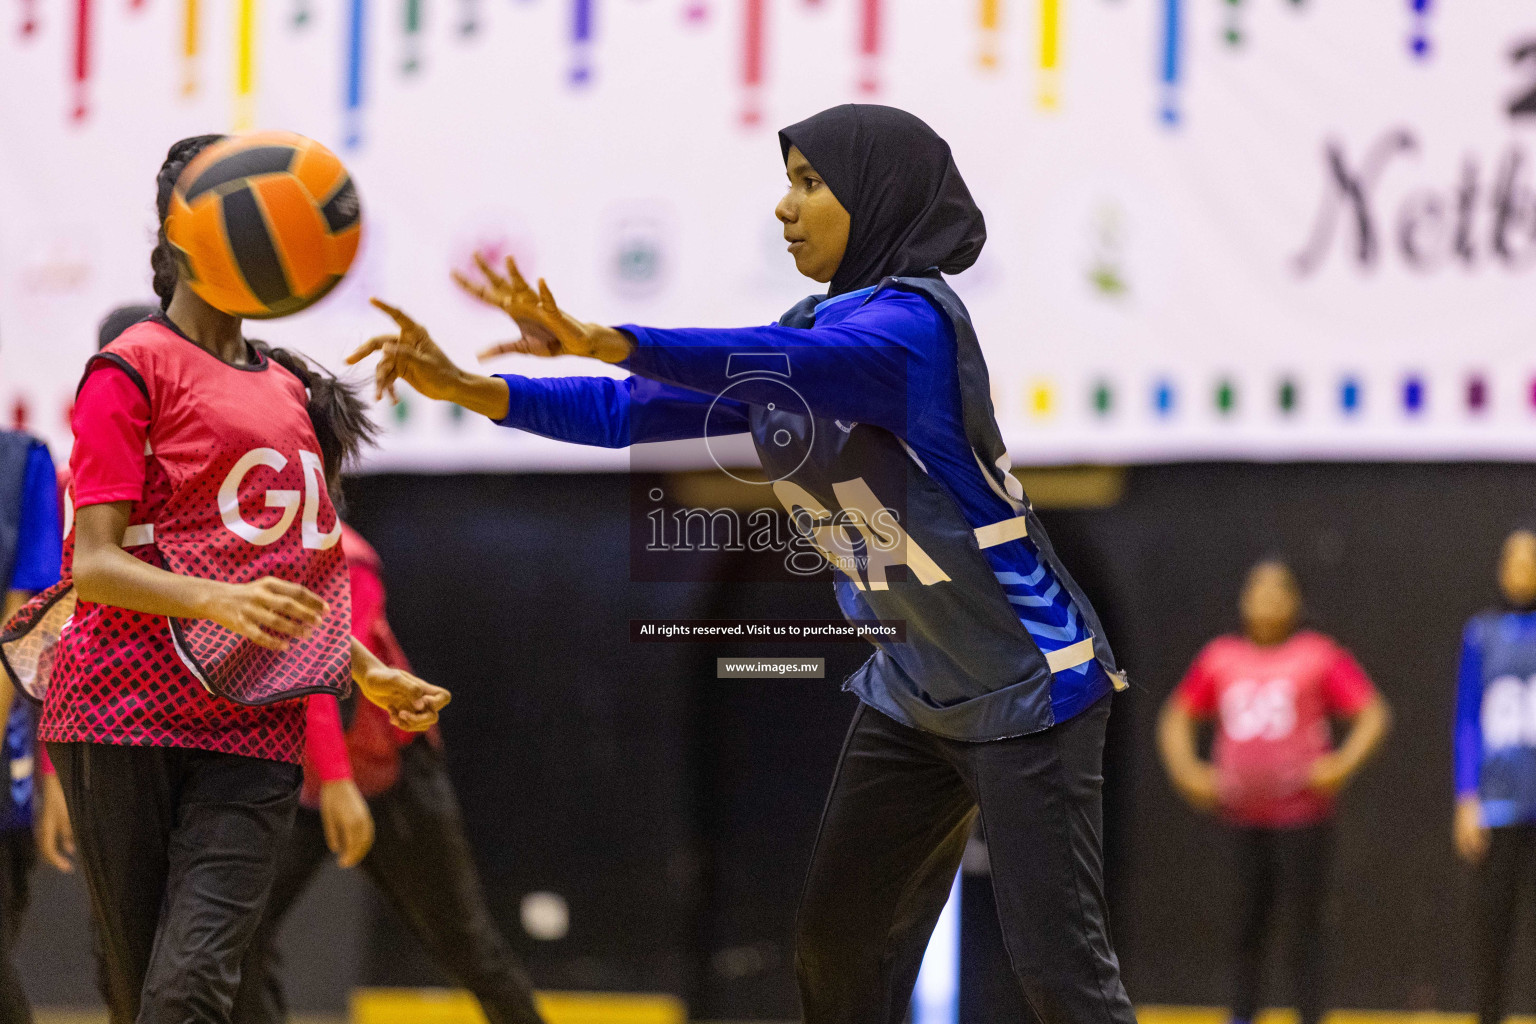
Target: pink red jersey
<point>223,470</point>
<point>1272,706</point>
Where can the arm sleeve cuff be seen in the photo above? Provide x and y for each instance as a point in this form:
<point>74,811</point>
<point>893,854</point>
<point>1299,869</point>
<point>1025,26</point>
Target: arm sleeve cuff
<point>325,745</point>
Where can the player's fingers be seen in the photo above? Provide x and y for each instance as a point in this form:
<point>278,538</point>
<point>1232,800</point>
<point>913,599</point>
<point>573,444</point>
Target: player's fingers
<point>413,721</point>
<point>476,289</point>
<point>297,611</point>
<point>272,622</point>
<point>298,592</point>
<point>260,637</point>
<point>547,299</point>
<point>397,315</point>
<point>384,374</point>
<point>502,348</point>
<point>516,276</point>
<point>263,625</point>
<point>53,854</point>
<point>490,272</point>
<point>367,349</point>
<point>49,844</point>
<point>364,839</point>
<point>354,844</point>
<point>333,838</point>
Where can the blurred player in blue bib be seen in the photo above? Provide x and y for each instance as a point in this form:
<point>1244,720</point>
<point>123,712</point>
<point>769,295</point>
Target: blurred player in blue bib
<point>1495,823</point>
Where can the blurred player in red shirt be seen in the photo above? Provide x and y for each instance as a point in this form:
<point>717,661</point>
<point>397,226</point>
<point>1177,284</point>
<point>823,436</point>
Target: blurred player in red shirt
<point>1274,773</point>
<point>192,618</point>
<point>380,797</point>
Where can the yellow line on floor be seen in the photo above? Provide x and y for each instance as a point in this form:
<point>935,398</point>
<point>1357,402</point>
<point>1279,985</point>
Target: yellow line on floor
<point>1213,1015</point>
<point>452,1006</point>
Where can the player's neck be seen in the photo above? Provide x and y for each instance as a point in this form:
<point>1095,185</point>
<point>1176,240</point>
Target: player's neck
<point>212,329</point>
<point>1269,637</point>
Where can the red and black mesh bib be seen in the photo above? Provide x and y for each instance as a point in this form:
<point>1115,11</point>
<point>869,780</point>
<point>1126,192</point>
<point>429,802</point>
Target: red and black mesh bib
<point>234,491</point>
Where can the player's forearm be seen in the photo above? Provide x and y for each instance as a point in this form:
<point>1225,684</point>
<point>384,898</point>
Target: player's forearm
<point>110,575</point>
<point>1468,755</point>
<point>1176,742</point>
<point>1365,735</point>
<point>838,372</point>
<point>364,661</point>
<point>14,599</point>
<point>479,393</point>
<point>582,410</point>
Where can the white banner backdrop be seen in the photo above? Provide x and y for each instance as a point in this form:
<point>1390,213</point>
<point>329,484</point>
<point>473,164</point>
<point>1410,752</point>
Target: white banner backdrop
<point>1260,229</point>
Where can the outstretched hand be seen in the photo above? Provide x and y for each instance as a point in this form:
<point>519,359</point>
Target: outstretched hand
<point>547,330</point>
<point>411,356</point>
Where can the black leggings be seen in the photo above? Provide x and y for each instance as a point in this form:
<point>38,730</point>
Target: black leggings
<point>1503,879</point>
<point>179,849</point>
<point>1283,870</point>
<point>421,862</point>
<point>895,825</point>
<point>18,853</point>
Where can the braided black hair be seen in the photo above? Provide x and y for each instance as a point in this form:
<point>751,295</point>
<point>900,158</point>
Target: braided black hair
<point>340,420</point>
<point>162,259</point>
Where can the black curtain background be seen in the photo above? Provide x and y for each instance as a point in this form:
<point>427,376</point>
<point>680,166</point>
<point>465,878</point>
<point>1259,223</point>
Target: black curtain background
<point>675,812</point>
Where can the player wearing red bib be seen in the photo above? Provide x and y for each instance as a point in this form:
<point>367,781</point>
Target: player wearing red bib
<point>1275,774</point>
<point>208,591</point>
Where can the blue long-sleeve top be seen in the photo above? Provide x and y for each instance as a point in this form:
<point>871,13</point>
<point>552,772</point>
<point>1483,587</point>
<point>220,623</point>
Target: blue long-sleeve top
<point>1495,736</point>
<point>886,359</point>
<point>1469,705</point>
<point>39,545</point>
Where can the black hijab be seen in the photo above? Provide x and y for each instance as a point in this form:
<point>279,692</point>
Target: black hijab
<point>910,210</point>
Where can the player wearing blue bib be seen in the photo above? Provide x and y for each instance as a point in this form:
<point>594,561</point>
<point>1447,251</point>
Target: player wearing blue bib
<point>1495,746</point>
<point>30,551</point>
<point>870,410</point>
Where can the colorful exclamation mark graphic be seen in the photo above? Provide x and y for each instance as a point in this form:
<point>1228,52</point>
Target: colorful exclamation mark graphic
<point>1042,399</point>
<point>301,14</point>
<point>245,65</point>
<point>1226,396</point>
<point>869,46</point>
<point>991,16</point>
<point>411,61</point>
<point>1288,396</point>
<point>82,69</point>
<point>1351,395</point>
<point>469,17</point>
<point>1163,398</point>
<point>1172,44</point>
<point>752,60</point>
<point>28,18</point>
<point>695,12</point>
<point>1418,38</point>
<point>1049,93</point>
<point>1103,398</point>
<point>581,41</point>
<point>1477,394</point>
<point>189,47</point>
<point>1233,33</point>
<point>1415,394</point>
<point>356,25</point>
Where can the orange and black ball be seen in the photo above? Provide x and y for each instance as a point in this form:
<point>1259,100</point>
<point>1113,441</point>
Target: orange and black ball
<point>264,225</point>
